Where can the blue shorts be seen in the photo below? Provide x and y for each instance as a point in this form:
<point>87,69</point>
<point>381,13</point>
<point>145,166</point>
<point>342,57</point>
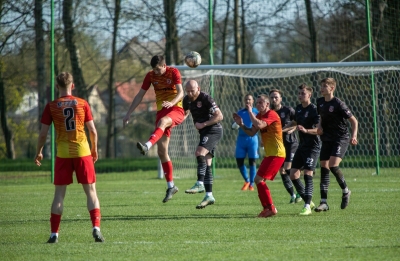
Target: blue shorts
<point>246,145</point>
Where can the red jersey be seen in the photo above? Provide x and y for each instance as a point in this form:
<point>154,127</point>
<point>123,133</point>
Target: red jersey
<point>164,85</point>
<point>272,134</point>
<point>69,115</point>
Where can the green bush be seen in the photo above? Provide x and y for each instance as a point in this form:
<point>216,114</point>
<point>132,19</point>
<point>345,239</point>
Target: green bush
<point>151,163</point>
<point>102,165</point>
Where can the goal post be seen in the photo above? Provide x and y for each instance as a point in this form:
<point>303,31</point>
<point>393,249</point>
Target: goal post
<point>379,143</point>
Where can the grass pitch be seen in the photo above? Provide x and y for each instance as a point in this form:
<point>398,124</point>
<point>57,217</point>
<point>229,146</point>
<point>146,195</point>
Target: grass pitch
<point>138,226</point>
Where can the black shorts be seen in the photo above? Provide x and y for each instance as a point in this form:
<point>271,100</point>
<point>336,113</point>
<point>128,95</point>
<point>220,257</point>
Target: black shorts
<point>333,148</point>
<point>305,158</point>
<point>209,138</point>
<point>290,151</point>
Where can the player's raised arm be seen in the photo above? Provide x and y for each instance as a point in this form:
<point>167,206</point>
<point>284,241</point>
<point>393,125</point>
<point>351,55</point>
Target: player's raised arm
<point>136,101</point>
<point>258,124</point>
<point>249,131</point>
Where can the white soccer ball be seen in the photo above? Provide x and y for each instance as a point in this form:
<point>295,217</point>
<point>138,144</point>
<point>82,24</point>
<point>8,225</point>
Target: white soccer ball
<point>192,59</point>
<point>235,126</point>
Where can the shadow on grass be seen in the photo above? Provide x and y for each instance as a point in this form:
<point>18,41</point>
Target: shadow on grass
<point>395,246</point>
<point>149,217</point>
<point>173,217</point>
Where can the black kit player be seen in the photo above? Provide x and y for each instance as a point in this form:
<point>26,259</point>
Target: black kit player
<point>286,114</point>
<point>306,118</point>
<point>335,140</point>
<point>206,118</point>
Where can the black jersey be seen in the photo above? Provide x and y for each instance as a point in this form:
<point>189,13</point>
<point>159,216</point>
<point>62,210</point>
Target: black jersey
<point>334,114</point>
<point>308,118</point>
<point>286,113</point>
<point>202,109</point>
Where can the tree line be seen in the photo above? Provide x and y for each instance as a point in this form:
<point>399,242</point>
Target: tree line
<point>110,41</point>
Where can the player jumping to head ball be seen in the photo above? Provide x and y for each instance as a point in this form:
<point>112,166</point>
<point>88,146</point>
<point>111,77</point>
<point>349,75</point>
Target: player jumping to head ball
<point>167,85</point>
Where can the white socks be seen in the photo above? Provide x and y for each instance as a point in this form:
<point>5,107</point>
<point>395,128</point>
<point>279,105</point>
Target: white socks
<point>148,144</point>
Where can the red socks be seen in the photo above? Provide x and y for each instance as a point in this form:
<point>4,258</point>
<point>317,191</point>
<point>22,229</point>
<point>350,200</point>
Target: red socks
<point>95,216</point>
<point>264,194</point>
<point>55,220</point>
<point>157,134</point>
<point>167,168</point>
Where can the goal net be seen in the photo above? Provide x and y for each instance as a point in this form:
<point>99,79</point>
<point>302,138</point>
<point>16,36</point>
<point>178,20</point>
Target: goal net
<point>355,83</point>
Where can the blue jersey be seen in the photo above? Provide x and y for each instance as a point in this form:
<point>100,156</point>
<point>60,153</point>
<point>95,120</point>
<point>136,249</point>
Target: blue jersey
<point>244,143</point>
<point>244,114</point>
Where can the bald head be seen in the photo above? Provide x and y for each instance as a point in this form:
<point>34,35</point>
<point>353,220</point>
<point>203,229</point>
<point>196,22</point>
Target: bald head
<point>192,89</point>
<point>192,84</point>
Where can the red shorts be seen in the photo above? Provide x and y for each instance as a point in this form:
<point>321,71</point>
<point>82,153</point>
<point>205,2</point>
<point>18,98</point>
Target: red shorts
<point>270,166</point>
<point>83,167</point>
<point>176,114</point>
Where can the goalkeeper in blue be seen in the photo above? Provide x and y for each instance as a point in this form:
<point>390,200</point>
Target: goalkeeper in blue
<point>246,145</point>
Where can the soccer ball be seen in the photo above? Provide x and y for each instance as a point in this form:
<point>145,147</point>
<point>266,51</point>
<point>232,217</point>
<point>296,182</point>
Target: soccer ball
<point>192,59</point>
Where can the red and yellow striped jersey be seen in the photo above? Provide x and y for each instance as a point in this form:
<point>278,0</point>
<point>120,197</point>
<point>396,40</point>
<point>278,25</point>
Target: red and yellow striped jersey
<point>69,115</point>
<point>164,85</point>
<point>271,135</point>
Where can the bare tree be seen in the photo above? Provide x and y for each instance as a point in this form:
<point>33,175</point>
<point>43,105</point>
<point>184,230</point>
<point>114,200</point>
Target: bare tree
<point>7,132</point>
<point>73,51</point>
<point>40,55</point>
<point>224,32</point>
<point>111,90</point>
<point>313,33</point>
<point>243,36</point>
<point>172,47</point>
<point>8,135</point>
<point>236,24</point>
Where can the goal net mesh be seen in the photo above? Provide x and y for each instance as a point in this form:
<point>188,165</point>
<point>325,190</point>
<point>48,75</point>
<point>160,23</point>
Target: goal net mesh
<point>354,87</point>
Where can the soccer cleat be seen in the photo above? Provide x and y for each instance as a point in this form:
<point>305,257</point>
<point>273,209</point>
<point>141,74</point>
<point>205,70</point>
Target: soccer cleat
<point>345,200</point>
<point>323,206</point>
<point>292,200</point>
<point>312,205</point>
<point>170,193</point>
<point>208,200</point>
<point>197,188</point>
<point>305,212</point>
<point>268,212</point>
<point>246,185</point>
<point>143,148</point>
<point>98,237</point>
<point>53,239</point>
<point>251,188</point>
<point>298,198</point>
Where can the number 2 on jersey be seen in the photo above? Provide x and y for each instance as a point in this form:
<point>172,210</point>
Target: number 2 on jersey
<point>69,118</point>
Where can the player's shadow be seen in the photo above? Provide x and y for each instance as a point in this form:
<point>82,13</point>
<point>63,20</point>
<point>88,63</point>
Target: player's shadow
<point>183,217</point>
<point>156,217</point>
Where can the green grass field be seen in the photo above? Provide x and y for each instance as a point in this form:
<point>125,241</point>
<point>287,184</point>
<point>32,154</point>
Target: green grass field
<point>138,226</point>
